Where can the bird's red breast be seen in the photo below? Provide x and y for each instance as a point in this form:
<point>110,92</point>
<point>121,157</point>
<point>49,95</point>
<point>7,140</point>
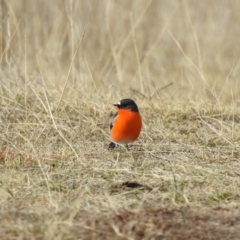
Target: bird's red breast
<point>126,126</point>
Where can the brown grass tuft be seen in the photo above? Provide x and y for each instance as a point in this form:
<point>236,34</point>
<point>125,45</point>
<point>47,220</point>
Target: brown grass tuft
<point>63,64</point>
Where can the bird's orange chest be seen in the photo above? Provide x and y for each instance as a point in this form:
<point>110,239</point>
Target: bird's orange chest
<point>127,126</point>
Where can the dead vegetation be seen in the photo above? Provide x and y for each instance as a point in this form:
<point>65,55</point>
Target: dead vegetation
<point>62,67</point>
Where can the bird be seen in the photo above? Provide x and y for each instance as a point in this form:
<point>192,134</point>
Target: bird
<point>125,124</point>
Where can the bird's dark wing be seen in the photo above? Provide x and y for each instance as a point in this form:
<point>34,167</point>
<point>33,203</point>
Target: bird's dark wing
<point>112,119</point>
<point>112,145</point>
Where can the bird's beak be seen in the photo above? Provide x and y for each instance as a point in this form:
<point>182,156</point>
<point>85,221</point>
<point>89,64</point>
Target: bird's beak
<point>116,105</point>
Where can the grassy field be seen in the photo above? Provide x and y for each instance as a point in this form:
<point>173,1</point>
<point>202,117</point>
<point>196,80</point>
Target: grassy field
<point>63,65</point>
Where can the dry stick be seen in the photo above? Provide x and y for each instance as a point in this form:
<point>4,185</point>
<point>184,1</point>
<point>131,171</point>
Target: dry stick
<point>226,81</point>
<point>40,100</point>
<point>38,160</point>
<point>137,92</point>
<point>137,55</point>
<point>156,42</point>
<point>114,54</point>
<point>1,28</point>
<point>157,91</point>
<point>25,72</point>
<point>10,100</point>
<point>9,40</point>
<point>189,60</point>
<point>55,126</point>
<point>42,124</point>
<point>135,25</point>
<point>91,74</point>
<point>115,90</point>
<point>72,35</point>
<point>193,64</point>
<point>223,124</point>
<point>214,130</point>
<point>65,84</point>
<point>121,47</point>
<point>48,110</point>
<point>162,31</point>
<point>233,121</point>
<point>164,87</point>
<point>195,37</point>
<point>42,104</point>
<point>39,163</point>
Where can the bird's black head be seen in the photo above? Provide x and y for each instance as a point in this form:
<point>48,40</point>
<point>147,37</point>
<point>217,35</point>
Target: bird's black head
<point>127,104</point>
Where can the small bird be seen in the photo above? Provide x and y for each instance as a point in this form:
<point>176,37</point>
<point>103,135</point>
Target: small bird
<point>125,124</point>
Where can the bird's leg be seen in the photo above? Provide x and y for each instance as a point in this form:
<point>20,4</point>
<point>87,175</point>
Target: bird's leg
<point>111,146</point>
<point>127,146</point>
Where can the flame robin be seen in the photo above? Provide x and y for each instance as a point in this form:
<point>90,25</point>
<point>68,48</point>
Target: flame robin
<point>125,124</point>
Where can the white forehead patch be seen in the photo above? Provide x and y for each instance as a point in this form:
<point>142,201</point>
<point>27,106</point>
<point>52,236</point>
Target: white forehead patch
<point>119,103</point>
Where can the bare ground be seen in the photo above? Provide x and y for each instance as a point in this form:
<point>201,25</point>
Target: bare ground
<point>63,65</point>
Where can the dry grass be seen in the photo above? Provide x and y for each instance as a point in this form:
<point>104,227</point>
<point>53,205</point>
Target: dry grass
<point>62,66</point>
